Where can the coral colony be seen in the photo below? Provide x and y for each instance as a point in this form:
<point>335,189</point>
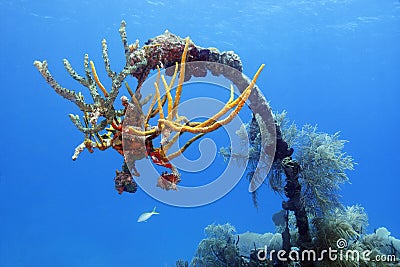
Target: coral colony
<point>164,50</point>
<point>308,166</point>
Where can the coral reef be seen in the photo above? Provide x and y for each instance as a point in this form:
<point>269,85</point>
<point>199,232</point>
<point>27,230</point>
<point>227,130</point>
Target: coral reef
<point>342,224</point>
<point>323,166</point>
<point>224,247</point>
<point>322,162</point>
<point>308,168</point>
<point>345,229</point>
<point>128,129</point>
<point>218,248</point>
<point>313,175</point>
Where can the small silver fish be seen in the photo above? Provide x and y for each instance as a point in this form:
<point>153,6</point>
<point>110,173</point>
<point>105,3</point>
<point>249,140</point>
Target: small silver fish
<point>145,216</point>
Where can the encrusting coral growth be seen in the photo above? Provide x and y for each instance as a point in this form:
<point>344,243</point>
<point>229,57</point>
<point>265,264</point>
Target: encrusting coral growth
<point>128,130</point>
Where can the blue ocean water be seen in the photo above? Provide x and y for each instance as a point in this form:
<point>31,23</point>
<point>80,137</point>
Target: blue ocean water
<point>334,63</point>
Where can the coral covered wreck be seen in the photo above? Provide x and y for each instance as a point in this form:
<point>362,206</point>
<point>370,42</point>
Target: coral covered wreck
<point>128,129</point>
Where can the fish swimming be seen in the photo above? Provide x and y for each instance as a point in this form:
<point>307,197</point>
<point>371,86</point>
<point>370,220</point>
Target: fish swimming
<point>145,216</point>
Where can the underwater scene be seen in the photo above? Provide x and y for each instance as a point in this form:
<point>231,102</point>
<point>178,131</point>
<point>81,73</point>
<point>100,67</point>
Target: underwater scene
<point>200,133</point>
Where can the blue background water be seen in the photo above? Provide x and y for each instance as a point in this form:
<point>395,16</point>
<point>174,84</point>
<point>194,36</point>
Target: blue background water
<point>329,62</point>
